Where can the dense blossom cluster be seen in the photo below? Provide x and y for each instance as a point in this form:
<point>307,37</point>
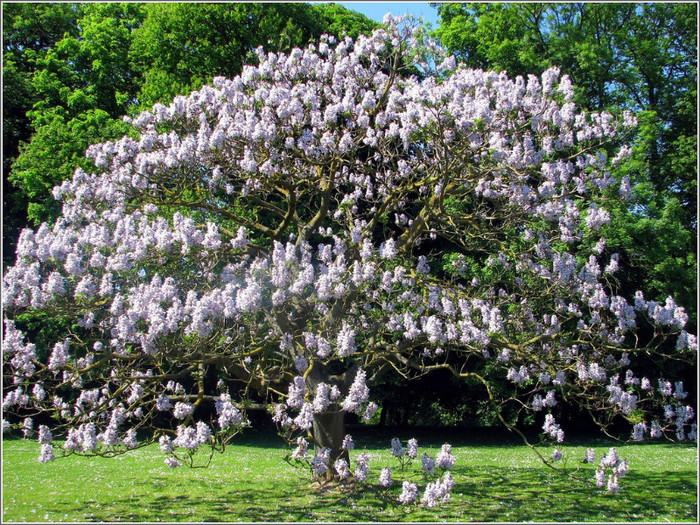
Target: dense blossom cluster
<point>615,467</point>
<point>290,223</point>
<point>438,486</point>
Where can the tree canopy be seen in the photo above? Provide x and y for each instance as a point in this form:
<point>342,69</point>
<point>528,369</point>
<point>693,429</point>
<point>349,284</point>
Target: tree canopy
<point>641,57</point>
<point>72,70</point>
<point>323,218</point>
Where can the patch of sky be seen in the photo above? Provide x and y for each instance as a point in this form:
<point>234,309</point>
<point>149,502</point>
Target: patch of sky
<point>377,10</point>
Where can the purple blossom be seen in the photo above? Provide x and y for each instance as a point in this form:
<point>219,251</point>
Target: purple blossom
<point>182,410</point>
<point>409,493</point>
<point>163,403</point>
<point>438,491</point>
<point>342,468</point>
<point>427,464</point>
<point>396,449</point>
<point>300,452</point>
<point>346,341</point>
<point>45,437</point>
<point>348,443</point>
<point>186,438</point>
<point>362,467</point>
<point>385,477</point>
<point>444,459</point>
<point>552,428</point>
<point>412,448</point>
<point>590,455</point>
<point>129,439</point>
<point>305,419</point>
<point>172,462</point>
<point>165,444</point>
<point>359,393</point>
<point>319,464</point>
<point>46,453</point>
<point>638,431</point>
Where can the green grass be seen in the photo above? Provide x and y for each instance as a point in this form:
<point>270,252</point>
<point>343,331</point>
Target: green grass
<point>497,478</point>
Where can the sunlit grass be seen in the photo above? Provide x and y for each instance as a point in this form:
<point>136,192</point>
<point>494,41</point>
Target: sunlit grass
<point>497,478</point>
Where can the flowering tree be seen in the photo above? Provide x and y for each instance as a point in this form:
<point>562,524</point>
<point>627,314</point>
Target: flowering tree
<point>316,221</point>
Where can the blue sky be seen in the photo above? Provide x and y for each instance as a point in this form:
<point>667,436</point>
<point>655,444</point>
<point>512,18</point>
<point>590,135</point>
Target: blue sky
<point>377,10</point>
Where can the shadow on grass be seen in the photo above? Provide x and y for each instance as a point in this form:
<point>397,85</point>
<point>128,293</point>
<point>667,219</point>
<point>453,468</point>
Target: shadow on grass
<point>488,495</point>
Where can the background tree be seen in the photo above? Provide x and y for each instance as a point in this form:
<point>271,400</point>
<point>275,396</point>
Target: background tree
<point>317,221</point>
<point>29,31</point>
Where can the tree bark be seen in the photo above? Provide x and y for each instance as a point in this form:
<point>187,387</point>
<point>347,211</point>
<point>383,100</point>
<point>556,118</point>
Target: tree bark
<point>329,432</point>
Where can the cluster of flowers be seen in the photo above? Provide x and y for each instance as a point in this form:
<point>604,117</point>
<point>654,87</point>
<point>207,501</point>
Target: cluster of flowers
<point>436,491</point>
<point>611,464</point>
<point>191,438</point>
<point>324,396</point>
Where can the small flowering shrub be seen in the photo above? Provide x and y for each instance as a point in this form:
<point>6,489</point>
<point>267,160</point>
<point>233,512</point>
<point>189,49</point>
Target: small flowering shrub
<point>289,235</point>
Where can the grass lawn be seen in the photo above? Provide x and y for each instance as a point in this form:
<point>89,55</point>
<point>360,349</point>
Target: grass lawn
<point>497,479</point>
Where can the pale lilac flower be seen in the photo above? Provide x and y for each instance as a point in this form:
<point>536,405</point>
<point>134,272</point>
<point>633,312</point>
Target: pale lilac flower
<point>600,477</point>
<point>342,468</point>
<point>46,453</point>
<point>444,459</point>
<point>412,448</point>
<point>427,464</point>
<point>610,459</point>
<point>385,477</point>
<point>319,464</point>
<point>638,431</point>
<point>130,440</point>
<point>305,419</point>
<point>186,438</point>
<point>45,436</point>
<point>27,426</point>
<point>621,469</point>
<point>300,453</point>
<point>362,467</point>
<point>552,428</point>
<point>280,416</point>
<point>396,449</point>
<point>229,415</point>
<point>346,341</point>
<point>182,410</point>
<point>590,455</point>
<point>438,491</point>
<point>409,493</point>
<point>165,444</point>
<point>172,462</point>
<point>348,443</point>
<point>297,389</point>
<point>203,432</point>
<point>359,393</point>
<point>163,403</point>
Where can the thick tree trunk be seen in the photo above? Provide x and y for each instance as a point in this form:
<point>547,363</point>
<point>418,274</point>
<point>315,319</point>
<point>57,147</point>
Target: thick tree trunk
<point>329,432</point>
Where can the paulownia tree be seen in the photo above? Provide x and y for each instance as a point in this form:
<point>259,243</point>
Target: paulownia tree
<point>321,219</point>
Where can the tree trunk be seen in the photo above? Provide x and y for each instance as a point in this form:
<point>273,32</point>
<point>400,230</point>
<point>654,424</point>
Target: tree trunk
<point>329,432</point>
